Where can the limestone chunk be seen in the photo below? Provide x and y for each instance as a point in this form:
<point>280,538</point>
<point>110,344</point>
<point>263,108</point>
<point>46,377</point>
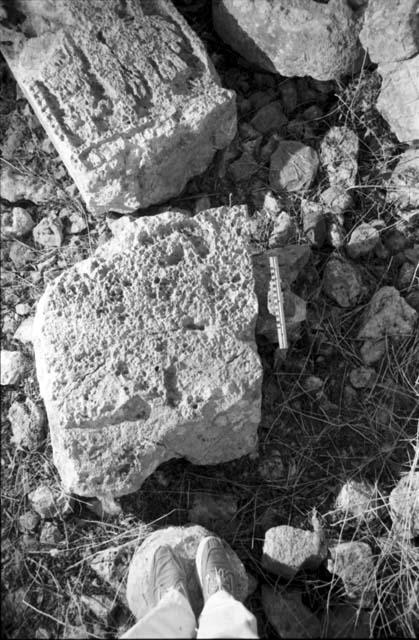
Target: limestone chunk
<point>387,316</point>
<point>145,351</point>
<point>398,101</point>
<point>126,93</point>
<point>396,22</point>
<point>298,38</point>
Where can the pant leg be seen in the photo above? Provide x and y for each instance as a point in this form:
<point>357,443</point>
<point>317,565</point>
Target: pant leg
<point>225,617</point>
<point>172,617</point>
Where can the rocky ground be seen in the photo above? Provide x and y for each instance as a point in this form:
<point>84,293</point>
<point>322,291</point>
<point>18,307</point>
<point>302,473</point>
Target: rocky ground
<point>339,412</point>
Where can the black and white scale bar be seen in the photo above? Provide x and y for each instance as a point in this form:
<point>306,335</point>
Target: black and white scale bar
<point>279,303</point>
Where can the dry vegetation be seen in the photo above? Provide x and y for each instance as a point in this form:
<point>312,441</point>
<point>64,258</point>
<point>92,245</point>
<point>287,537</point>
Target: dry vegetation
<point>310,441</point>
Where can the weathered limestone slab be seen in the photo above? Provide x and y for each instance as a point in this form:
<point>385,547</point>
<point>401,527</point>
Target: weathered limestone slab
<point>398,101</point>
<point>293,38</point>
<point>184,542</point>
<point>125,91</point>
<point>391,30</point>
<point>145,351</point>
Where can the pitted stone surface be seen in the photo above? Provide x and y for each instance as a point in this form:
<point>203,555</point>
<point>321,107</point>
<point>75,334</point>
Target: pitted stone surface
<point>125,91</point>
<point>395,22</point>
<point>184,542</point>
<point>398,101</point>
<point>298,38</point>
<point>145,351</point>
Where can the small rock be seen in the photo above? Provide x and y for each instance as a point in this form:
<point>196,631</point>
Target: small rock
<point>24,332</point>
<point>49,232</point>
<point>110,565</point>
<point>353,563</point>
<point>362,377</point>
<point>314,222</point>
<point>288,615</point>
<point>289,95</point>
<point>213,511</point>
<point>337,200</point>
<point>271,205</point>
<point>287,550</point>
<point>412,300</point>
<point>293,166</point>
<point>260,99</point>
<point>338,154</point>
<point>100,605</point>
<point>403,186</point>
<point>387,315</point>
<point>13,365</point>
<point>336,234</point>
<point>408,276</point>
<point>21,255</point>
<point>404,504</point>
<point>75,222</point>
<point>358,499</point>
<point>17,186</point>
<point>23,309</point>
<point>362,241</point>
<point>346,621</point>
<point>268,148</point>
<point>244,168</point>
<point>312,384</point>
<point>17,223</point>
<point>48,503</point>
<point>342,282</point>
<point>50,535</point>
<point>27,420</point>
<point>202,204</point>
<point>394,22</point>
<point>28,521</point>
<point>398,101</point>
<point>269,118</point>
<point>395,241</point>
<point>271,467</point>
<point>283,231</point>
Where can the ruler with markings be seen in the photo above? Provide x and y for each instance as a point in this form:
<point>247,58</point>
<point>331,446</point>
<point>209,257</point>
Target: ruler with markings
<point>279,303</point>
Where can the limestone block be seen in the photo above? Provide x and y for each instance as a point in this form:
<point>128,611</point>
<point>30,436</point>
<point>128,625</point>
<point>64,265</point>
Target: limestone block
<point>145,351</point>
<point>125,91</point>
<point>394,21</point>
<point>398,101</point>
<point>184,542</point>
<point>298,38</point>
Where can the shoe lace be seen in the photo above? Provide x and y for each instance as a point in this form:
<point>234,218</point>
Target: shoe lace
<point>220,579</point>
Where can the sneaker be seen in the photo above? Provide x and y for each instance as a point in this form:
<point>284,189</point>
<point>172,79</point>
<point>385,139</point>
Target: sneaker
<point>167,572</point>
<point>215,571</point>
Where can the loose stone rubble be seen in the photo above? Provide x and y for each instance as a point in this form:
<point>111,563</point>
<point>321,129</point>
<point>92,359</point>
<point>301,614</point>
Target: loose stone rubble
<point>362,241</point>
<point>13,366</point>
<point>388,315</point>
<point>404,505</point>
<point>393,22</point>
<point>287,550</point>
<point>403,186</point>
<point>27,421</point>
<point>146,352</point>
<point>342,282</point>
<point>293,166</point>
<point>184,542</point>
<point>339,156</point>
<point>132,122</point>
<point>353,563</point>
<point>357,500</point>
<point>398,101</point>
<point>302,38</point>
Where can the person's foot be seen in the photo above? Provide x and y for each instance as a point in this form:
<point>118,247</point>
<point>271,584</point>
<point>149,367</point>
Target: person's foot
<point>167,572</point>
<point>215,571</point>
